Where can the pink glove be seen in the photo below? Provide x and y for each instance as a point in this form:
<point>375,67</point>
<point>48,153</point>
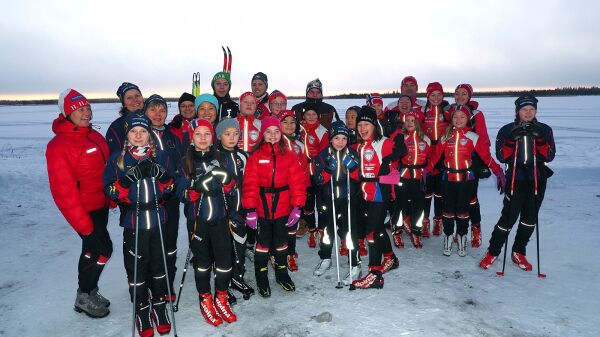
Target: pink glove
<point>294,217</point>
<point>393,178</point>
<point>252,219</point>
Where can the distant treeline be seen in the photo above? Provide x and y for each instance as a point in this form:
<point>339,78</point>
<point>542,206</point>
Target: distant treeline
<point>566,91</point>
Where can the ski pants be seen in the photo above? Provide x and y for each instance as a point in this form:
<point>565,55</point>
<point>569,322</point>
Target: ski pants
<point>211,246</point>
<point>474,208</point>
<point>456,206</point>
<point>524,203</point>
<point>239,259</point>
<point>377,237</point>
<point>413,202</point>
<point>96,249</point>
<point>313,199</point>
<point>396,207</point>
<point>150,266</point>
<point>171,233</point>
<point>434,191</point>
<point>341,210</point>
<point>271,233</point>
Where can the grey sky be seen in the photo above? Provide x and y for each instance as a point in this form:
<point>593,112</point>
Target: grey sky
<point>93,46</point>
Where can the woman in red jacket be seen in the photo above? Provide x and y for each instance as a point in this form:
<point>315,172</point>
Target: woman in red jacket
<point>76,157</point>
<point>456,147</point>
<point>273,196</point>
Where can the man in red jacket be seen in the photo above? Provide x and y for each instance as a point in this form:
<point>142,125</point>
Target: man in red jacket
<point>76,157</point>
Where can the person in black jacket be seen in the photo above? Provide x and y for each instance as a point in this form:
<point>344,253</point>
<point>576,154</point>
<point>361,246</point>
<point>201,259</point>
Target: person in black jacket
<point>526,145</point>
<point>221,84</point>
<point>314,97</point>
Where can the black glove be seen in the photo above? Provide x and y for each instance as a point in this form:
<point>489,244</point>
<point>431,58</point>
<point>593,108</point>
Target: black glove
<point>535,129</point>
<point>96,244</point>
<point>237,225</point>
<point>157,171</point>
<point>517,132</point>
<point>221,175</point>
<point>132,175</point>
<point>201,183</point>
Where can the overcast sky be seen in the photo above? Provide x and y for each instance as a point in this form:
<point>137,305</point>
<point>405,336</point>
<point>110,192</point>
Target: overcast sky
<point>352,46</point>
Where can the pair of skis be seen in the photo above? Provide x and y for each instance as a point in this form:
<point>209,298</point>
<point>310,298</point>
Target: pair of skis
<point>227,60</point>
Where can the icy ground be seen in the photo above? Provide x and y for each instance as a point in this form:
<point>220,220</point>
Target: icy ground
<point>429,295</point>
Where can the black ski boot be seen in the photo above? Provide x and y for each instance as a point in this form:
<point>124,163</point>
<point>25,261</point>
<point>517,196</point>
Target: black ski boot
<point>283,278</point>
<point>231,298</point>
<point>262,282</point>
<point>240,285</point>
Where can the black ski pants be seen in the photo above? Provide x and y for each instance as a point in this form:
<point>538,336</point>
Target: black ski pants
<point>96,250</point>
<point>211,246</point>
<point>456,206</point>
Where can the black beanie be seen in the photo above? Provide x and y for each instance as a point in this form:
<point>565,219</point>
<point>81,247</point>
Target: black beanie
<point>367,114</point>
<point>261,77</point>
<point>186,97</point>
<point>524,101</point>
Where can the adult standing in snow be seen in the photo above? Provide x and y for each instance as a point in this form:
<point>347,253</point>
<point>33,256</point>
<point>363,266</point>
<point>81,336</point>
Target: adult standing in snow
<point>76,157</point>
<point>408,86</point>
<point>526,145</point>
<point>260,84</point>
<point>131,100</point>
<point>180,124</point>
<point>207,106</point>
<point>314,96</point>
<point>221,84</point>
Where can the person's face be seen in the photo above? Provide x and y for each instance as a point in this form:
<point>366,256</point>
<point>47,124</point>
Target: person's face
<point>258,87</point>
<point>314,93</point>
<point>202,138</point>
<point>157,114</point>
<point>82,116</point>
<point>366,130</point>
<point>272,135</point>
<point>277,105</point>
<point>288,125</point>
<point>186,109</point>
<point>404,104</point>
<point>459,119</point>
<point>527,113</point>
<point>351,118</point>
<point>408,88</point>
<point>230,138</point>
<point>378,108</point>
<point>339,142</point>
<point>436,98</point>
<point>311,117</point>
<point>138,136</point>
<point>207,111</point>
<point>133,100</point>
<point>248,106</point>
<point>410,123</point>
<point>461,96</point>
<point>221,87</point>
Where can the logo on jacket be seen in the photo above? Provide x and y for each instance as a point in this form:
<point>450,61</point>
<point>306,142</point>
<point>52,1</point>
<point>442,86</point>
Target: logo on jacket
<point>463,142</point>
<point>311,139</point>
<point>254,135</point>
<point>297,148</point>
<point>441,117</point>
<point>421,146</point>
<point>369,154</point>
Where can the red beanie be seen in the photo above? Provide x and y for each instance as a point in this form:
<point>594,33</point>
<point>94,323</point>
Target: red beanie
<point>275,95</point>
<point>464,108</point>
<point>267,122</point>
<point>467,87</point>
<point>285,113</point>
<point>434,86</point>
<point>71,100</point>
<point>246,94</point>
<point>419,117</point>
<point>410,79</point>
<point>198,122</point>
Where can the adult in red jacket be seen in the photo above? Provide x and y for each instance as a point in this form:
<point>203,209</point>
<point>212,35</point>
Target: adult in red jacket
<point>76,157</point>
<point>273,196</point>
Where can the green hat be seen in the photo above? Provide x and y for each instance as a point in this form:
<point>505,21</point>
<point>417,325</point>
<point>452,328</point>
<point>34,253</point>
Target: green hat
<point>220,75</point>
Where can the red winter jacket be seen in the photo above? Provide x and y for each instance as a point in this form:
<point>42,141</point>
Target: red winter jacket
<point>315,139</point>
<point>271,174</point>
<point>76,158</point>
<point>436,122</point>
<point>297,147</point>
<point>249,132</point>
<point>418,151</point>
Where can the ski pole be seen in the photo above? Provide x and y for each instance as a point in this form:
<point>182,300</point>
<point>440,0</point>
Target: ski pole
<point>135,255</point>
<point>537,225</point>
<point>185,266</point>
<point>339,284</point>
<point>501,273</point>
<point>164,256</point>
<point>350,243</point>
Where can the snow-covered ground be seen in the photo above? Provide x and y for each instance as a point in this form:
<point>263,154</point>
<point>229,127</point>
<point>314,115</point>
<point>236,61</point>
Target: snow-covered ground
<point>429,295</point>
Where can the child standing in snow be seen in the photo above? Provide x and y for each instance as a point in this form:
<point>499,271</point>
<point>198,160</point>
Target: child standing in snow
<point>249,124</point>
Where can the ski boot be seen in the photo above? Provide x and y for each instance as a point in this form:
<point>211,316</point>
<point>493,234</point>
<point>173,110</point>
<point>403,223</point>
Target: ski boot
<point>437,226</point>
<point>406,224</point>
<point>343,248</point>
<point>448,244</point>
<point>98,298</point>
<point>521,261</point>
<point>475,235</point>
<point>312,237</point>
<point>291,262</point>
<point>397,235</point>
<point>390,262</point>
<point>322,267</point>
<point>362,248</point>
<point>262,282</point>
<point>416,241</point>
<point>425,229</point>
<point>487,260</point>
<point>353,274</point>
<point>283,279</point>
<point>223,308</point>
<point>462,245</point>
<point>374,279</point>
<point>231,298</point>
<point>207,308</point>
<point>302,228</point>
<point>143,322</point>
<point>160,316</point>
<point>87,304</point>
<point>239,284</point>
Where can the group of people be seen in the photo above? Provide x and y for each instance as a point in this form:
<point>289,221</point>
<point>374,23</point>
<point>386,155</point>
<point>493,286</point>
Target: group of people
<point>255,176</point>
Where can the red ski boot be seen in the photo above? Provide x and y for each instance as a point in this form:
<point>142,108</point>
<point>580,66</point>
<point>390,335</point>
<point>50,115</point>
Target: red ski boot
<point>390,261</point>
<point>398,242</point>
<point>374,279</point>
<point>475,235</point>
<point>312,237</point>
<point>223,308</point>
<point>521,261</point>
<point>361,247</point>
<point>406,224</point>
<point>207,308</point>
<point>143,322</point>
<point>425,230</point>
<point>291,261</point>
<point>160,316</point>
<point>416,241</point>
<point>487,260</point>
<point>437,225</point>
<point>343,248</point>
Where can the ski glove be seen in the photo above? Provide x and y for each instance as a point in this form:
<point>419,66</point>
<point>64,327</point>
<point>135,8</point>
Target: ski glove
<point>424,177</point>
<point>517,132</point>
<point>96,244</point>
<point>252,219</point>
<point>330,164</point>
<point>533,128</point>
<point>294,217</point>
<point>157,171</point>
<point>221,175</point>
<point>500,181</point>
<point>202,183</point>
<point>351,162</point>
<point>237,227</point>
<point>132,175</point>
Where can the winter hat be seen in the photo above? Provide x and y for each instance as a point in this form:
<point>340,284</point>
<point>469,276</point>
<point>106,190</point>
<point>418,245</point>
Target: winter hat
<point>123,88</point>
<point>267,122</point>
<point>71,100</point>
<point>261,77</point>
<point>464,108</point>
<point>367,114</point>
<point>225,124</point>
<point>276,94</point>
<point>338,128</point>
<point>524,101</point>
<point>153,100</point>
<point>206,98</point>
<point>136,118</point>
<point>314,84</point>
<point>410,79</point>
<point>309,106</point>
<point>198,122</point>
<point>186,97</point>
<point>220,75</point>
<point>246,94</point>
<point>374,98</point>
<point>286,113</point>
<point>416,114</point>
<point>467,87</point>
<point>434,86</point>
